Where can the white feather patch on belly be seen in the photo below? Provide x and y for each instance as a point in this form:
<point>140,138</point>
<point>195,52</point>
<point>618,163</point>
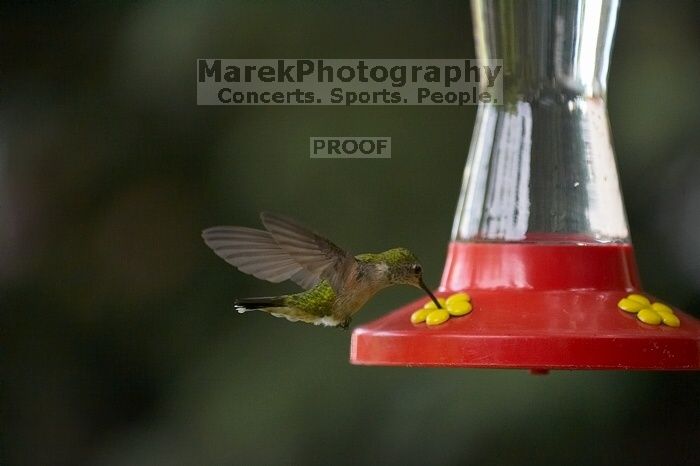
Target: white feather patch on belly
<point>294,316</point>
<point>328,321</point>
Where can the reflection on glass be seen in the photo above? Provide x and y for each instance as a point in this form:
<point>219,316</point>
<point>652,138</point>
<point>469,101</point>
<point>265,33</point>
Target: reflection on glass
<point>541,166</point>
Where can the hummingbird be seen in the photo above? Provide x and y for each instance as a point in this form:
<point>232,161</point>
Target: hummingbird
<point>336,284</point>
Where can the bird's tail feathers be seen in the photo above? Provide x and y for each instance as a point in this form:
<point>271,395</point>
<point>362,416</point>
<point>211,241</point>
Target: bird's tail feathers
<point>252,304</point>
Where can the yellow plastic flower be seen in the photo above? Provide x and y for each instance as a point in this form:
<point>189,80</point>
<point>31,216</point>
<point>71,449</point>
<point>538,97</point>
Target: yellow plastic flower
<point>458,304</point>
<point>648,312</point>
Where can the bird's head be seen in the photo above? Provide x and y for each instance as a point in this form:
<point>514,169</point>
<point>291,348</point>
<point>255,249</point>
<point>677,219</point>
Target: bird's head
<point>404,268</point>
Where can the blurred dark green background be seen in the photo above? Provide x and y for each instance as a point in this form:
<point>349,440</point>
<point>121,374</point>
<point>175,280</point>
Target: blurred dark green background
<point>119,341</point>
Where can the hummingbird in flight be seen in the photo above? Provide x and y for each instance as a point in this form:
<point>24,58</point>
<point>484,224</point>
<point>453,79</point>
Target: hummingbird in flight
<point>336,284</point>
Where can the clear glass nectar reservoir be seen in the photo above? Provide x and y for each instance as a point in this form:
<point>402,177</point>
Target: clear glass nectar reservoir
<point>541,167</point>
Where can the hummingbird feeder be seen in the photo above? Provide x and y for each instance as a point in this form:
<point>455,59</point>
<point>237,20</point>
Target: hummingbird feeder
<point>540,240</point>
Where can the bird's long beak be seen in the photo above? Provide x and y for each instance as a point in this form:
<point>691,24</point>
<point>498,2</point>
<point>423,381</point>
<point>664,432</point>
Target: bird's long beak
<point>432,296</point>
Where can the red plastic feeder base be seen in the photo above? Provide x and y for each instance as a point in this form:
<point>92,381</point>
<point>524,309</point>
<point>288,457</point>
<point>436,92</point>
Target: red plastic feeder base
<point>537,307</point>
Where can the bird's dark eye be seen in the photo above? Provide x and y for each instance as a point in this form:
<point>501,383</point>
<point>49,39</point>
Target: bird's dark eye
<point>417,268</point>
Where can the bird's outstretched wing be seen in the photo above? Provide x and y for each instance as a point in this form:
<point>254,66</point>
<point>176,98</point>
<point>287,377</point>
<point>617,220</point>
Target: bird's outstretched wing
<point>316,254</point>
<point>256,252</point>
